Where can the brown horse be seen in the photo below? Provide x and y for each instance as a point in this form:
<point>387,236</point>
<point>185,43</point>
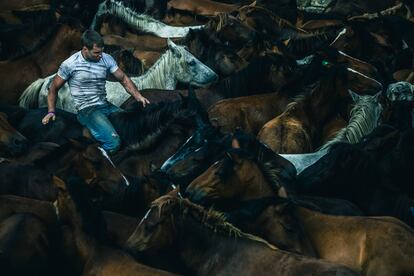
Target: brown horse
<point>10,204</point>
<point>369,245</point>
<point>26,246</point>
<point>80,156</point>
<point>198,235</point>
<point>249,113</point>
<point>17,74</point>
<point>25,5</point>
<point>298,128</point>
<point>240,176</point>
<point>12,142</point>
<point>202,7</point>
<point>89,234</point>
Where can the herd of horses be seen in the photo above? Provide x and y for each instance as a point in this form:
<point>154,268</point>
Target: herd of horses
<point>279,140</point>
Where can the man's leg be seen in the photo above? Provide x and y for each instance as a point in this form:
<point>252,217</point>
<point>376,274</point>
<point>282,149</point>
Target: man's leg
<point>101,128</point>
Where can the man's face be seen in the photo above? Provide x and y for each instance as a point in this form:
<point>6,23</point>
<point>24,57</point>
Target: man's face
<point>94,54</point>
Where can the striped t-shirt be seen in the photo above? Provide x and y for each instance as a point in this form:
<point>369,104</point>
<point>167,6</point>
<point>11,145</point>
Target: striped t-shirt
<point>87,79</point>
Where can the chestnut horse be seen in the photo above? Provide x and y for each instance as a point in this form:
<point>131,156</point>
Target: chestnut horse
<point>89,234</point>
<point>17,74</point>
<point>202,7</point>
<point>197,235</point>
<point>298,128</point>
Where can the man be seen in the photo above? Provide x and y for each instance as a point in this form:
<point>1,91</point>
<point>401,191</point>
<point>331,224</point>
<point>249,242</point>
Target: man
<point>86,73</point>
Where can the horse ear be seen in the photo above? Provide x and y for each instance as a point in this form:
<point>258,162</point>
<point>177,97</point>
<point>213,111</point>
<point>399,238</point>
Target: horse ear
<point>59,183</point>
<point>173,47</point>
<point>355,97</point>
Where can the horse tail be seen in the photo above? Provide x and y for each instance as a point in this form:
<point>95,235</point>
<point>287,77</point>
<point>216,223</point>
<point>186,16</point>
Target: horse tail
<point>30,96</point>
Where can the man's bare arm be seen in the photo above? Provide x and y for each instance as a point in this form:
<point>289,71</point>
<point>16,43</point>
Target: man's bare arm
<point>129,86</point>
<point>56,84</point>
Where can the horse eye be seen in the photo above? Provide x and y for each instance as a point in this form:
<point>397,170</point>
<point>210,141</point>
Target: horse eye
<point>191,62</point>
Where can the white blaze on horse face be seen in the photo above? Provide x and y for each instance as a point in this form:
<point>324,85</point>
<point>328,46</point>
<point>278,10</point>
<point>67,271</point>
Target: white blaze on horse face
<point>192,70</point>
<point>338,36</point>
<point>105,154</point>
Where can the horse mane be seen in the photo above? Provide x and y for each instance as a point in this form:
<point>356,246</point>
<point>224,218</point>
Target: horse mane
<point>140,128</point>
<point>305,44</point>
<point>143,22</point>
<point>361,123</point>
<point>209,219</point>
<point>93,222</point>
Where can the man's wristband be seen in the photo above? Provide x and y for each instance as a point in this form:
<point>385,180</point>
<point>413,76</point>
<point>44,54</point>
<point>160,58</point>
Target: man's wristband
<point>51,112</point>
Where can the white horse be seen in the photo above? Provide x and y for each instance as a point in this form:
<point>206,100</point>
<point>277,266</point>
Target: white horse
<point>365,117</point>
<point>138,21</point>
<point>176,64</point>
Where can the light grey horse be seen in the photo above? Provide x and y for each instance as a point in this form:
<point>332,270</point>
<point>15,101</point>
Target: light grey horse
<point>365,117</point>
<point>176,64</point>
<point>141,22</point>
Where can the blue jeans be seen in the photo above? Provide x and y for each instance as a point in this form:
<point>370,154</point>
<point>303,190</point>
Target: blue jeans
<point>95,118</point>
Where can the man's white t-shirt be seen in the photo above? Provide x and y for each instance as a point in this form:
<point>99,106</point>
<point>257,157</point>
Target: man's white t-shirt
<point>87,79</point>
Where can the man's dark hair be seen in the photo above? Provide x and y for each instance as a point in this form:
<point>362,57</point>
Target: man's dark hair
<point>91,37</point>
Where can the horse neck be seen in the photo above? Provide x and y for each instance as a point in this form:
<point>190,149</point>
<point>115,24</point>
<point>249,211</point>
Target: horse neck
<point>58,48</point>
<point>161,75</point>
<point>361,123</point>
<point>85,244</point>
<point>198,244</point>
<point>322,103</point>
<point>135,20</point>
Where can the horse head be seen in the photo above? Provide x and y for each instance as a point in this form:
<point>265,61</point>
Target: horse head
<point>189,69</point>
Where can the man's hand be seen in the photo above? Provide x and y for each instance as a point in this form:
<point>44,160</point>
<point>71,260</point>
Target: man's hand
<point>143,100</point>
<point>47,118</point>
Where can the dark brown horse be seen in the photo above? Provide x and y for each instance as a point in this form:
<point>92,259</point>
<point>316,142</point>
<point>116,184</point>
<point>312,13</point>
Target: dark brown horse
<point>12,142</point>
<point>17,74</point>
<point>89,234</point>
<point>81,156</point>
<point>202,7</point>
<point>26,246</point>
<point>197,235</point>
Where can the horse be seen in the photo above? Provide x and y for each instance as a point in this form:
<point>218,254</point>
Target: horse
<point>139,21</point>
<point>80,155</point>
<point>25,5</point>
<point>202,7</point>
<point>12,142</point>
<point>296,227</point>
<point>215,54</point>
<point>293,131</point>
<point>365,117</point>
<point>372,190</point>
<point>40,63</point>
<point>244,172</point>
<point>176,64</point>
<point>27,246</point>
<point>150,137</point>
<point>89,233</point>
<point>29,123</point>
<point>18,40</point>
<point>211,235</point>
